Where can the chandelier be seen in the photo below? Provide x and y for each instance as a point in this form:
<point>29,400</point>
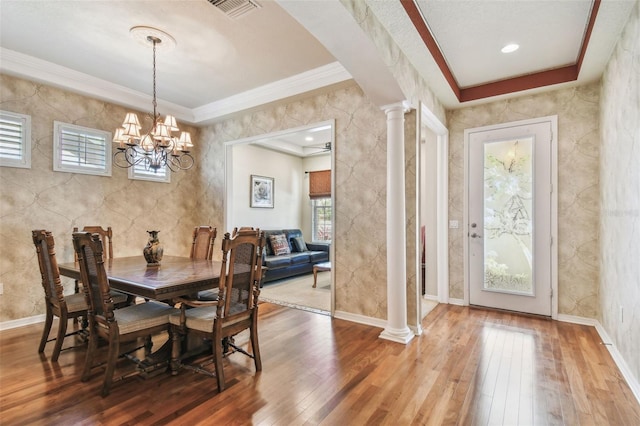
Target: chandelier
<point>158,147</point>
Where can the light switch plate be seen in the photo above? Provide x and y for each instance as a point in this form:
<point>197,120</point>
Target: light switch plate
<point>453,224</point>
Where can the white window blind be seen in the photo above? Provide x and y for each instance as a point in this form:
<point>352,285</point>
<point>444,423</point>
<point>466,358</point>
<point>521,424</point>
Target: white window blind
<point>140,172</point>
<point>80,149</point>
<point>15,140</point>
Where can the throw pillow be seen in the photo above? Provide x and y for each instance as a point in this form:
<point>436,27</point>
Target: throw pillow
<point>279,244</point>
<point>299,244</point>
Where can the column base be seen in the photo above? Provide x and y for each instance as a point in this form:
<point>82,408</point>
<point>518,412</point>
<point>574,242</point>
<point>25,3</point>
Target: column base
<point>397,335</point>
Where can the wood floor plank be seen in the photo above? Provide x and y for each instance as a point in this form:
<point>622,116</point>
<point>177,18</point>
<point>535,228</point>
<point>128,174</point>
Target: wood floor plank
<point>469,367</point>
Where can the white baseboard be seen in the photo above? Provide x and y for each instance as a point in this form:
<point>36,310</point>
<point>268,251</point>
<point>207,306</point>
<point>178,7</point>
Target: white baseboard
<point>631,380</point>
<point>416,329</point>
<point>430,297</point>
<point>360,319</point>
<point>457,302</point>
<point>578,320</point>
<point>7,325</point>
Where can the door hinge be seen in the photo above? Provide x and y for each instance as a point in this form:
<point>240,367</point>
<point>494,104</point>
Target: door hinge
<point>551,293</point>
<point>551,189</point>
<point>551,239</point>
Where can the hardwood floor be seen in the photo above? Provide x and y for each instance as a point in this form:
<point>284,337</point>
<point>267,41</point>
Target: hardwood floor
<point>470,367</point>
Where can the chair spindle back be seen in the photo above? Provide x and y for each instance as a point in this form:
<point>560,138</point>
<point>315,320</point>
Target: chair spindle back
<point>203,239</point>
<point>241,273</point>
<point>89,251</point>
<point>45,249</point>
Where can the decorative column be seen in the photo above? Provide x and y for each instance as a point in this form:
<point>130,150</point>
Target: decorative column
<point>396,329</point>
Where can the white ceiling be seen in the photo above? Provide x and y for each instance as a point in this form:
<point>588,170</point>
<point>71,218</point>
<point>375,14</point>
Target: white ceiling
<point>537,26</point>
<point>470,34</point>
<point>222,65</point>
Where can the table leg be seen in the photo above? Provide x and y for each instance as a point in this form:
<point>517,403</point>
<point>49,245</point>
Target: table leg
<point>315,276</point>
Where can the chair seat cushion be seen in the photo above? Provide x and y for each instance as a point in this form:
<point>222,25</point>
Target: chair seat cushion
<point>209,295</point>
<point>76,303</point>
<point>145,315</point>
<point>202,318</point>
<point>118,298</point>
<point>197,318</point>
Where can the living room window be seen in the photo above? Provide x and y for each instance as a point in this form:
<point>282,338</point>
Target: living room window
<point>78,149</point>
<point>15,140</point>
<point>321,212</point>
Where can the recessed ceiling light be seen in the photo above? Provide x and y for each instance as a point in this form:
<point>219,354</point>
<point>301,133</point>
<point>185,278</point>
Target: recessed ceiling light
<point>309,139</point>
<point>510,48</point>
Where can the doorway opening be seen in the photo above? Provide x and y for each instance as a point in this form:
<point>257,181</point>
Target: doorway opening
<point>433,202</point>
<point>286,159</point>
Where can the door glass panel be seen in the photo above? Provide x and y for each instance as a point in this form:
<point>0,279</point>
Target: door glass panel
<point>508,189</point>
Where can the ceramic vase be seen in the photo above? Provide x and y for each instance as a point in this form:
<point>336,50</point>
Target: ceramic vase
<point>153,250</point>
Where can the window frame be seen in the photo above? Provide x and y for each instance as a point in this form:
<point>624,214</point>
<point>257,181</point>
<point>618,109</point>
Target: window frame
<point>314,209</point>
<point>25,140</point>
<point>58,129</point>
<point>134,173</point>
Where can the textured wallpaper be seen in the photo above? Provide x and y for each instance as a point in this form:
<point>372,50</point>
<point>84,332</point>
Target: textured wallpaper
<point>39,198</point>
<point>411,204</point>
<point>620,195</point>
<point>360,211</point>
<point>578,188</point>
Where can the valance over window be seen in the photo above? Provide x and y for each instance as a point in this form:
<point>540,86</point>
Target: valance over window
<point>320,184</point>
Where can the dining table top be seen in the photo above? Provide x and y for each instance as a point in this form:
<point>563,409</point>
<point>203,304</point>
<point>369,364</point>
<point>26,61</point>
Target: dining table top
<point>175,276</point>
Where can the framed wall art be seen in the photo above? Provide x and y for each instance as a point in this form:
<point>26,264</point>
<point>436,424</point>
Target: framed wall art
<point>262,191</point>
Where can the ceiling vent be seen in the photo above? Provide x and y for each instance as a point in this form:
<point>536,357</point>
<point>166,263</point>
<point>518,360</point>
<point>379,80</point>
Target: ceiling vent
<point>235,8</point>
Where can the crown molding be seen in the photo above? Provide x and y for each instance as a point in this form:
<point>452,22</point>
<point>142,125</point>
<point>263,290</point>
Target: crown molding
<point>304,82</point>
<point>21,65</point>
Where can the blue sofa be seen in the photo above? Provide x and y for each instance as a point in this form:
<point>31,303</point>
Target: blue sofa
<point>294,263</point>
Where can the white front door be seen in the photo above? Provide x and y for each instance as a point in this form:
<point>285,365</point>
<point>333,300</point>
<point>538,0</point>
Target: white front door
<point>509,224</point>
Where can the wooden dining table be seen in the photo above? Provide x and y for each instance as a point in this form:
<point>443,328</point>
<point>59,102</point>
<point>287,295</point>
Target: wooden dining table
<point>175,276</point>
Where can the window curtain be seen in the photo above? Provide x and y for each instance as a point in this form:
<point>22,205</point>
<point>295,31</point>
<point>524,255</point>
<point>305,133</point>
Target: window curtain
<point>320,184</point>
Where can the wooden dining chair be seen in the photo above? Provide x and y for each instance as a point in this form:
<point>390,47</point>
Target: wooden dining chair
<point>202,248</point>
<point>203,239</point>
<point>235,310</point>
<point>57,304</point>
<point>106,235</point>
<point>115,326</point>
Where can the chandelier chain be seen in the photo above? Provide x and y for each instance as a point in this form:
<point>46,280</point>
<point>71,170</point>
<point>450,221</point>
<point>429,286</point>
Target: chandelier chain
<point>155,103</point>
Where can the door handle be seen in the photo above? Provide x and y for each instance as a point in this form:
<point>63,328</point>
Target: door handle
<point>474,235</point>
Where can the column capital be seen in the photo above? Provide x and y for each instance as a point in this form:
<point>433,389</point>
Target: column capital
<point>404,105</point>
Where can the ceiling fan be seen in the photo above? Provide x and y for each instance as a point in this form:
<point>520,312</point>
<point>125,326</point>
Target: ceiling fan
<point>326,147</point>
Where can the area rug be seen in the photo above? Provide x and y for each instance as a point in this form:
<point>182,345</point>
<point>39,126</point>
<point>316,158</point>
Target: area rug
<point>298,293</point>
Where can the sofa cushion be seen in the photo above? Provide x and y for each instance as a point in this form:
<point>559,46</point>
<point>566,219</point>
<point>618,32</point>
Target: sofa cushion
<point>267,234</point>
<point>297,258</point>
<point>274,262</point>
<point>299,244</point>
<point>279,244</point>
<point>318,256</point>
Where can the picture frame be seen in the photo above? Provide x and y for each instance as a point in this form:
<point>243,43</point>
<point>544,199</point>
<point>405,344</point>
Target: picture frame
<point>262,192</point>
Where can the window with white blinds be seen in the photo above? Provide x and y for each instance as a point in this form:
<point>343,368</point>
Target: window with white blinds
<point>15,140</point>
<point>140,172</point>
<point>78,149</point>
